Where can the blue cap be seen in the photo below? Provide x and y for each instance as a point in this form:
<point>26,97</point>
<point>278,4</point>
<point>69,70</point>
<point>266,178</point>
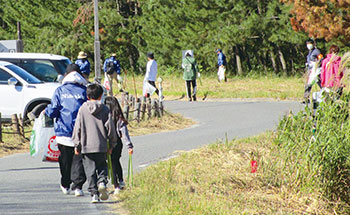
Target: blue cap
<point>218,50</point>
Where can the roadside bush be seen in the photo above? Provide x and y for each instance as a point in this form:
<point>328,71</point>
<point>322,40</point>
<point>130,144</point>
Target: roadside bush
<point>315,150</point>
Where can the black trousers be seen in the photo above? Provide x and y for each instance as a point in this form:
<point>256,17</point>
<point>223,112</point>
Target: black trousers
<point>116,166</point>
<point>71,168</point>
<point>96,170</point>
<point>194,87</point>
<point>154,85</point>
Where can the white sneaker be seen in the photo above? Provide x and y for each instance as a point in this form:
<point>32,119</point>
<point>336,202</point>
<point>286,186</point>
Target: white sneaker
<point>116,191</point>
<point>78,192</point>
<point>103,191</point>
<point>121,184</point>
<point>95,199</point>
<point>65,190</point>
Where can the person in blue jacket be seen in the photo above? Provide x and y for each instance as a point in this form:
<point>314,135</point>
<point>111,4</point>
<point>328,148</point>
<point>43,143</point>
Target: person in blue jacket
<point>64,107</point>
<point>222,65</point>
<point>112,70</point>
<point>84,64</point>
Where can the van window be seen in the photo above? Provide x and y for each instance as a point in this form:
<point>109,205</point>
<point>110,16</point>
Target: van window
<point>42,69</point>
<point>4,76</point>
<point>61,65</point>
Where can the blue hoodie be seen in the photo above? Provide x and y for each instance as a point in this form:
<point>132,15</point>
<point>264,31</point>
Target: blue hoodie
<point>65,103</point>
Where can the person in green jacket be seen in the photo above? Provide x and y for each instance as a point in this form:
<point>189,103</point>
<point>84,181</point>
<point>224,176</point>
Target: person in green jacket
<point>190,74</point>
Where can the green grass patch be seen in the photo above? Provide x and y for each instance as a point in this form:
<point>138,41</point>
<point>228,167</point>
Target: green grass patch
<point>268,86</point>
<point>217,179</point>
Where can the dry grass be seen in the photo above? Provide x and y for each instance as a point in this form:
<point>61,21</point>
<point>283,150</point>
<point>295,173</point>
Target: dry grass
<point>269,86</point>
<point>168,122</point>
<point>13,144</point>
<point>217,180</point>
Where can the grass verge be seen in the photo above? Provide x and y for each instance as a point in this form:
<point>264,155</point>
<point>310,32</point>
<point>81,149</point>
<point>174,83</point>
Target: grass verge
<point>217,179</point>
<point>268,86</point>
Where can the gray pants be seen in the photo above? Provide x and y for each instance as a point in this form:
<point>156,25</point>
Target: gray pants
<point>96,170</point>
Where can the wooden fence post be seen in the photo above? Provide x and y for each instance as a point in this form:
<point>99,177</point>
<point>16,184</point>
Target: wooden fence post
<point>21,124</point>
<point>138,108</point>
<point>143,111</point>
<point>156,108</point>
<point>161,108</point>
<point>149,107</point>
<point>15,124</point>
<point>0,129</point>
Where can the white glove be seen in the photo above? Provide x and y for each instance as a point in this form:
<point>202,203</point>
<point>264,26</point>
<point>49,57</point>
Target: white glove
<point>198,75</point>
<point>119,78</point>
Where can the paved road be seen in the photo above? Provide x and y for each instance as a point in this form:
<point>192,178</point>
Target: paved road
<point>29,186</point>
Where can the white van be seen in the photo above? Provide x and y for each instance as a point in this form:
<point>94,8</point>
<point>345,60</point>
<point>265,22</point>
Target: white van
<point>45,67</point>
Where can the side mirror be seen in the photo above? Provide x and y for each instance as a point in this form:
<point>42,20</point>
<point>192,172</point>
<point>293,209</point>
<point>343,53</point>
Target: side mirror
<point>60,78</point>
<point>12,81</point>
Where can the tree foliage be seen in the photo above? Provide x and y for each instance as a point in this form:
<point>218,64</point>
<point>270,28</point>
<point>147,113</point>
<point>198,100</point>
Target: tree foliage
<point>255,35</point>
<point>328,19</point>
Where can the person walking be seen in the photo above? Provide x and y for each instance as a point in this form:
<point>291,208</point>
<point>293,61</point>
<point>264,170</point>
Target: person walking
<point>151,72</point>
<point>84,64</point>
<point>112,70</point>
<point>330,75</point>
<point>64,107</point>
<point>190,74</point>
<point>93,127</point>
<point>222,66</point>
<point>123,137</point>
<point>313,63</point>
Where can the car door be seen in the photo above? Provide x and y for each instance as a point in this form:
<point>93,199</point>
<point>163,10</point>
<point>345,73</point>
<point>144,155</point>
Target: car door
<point>11,96</point>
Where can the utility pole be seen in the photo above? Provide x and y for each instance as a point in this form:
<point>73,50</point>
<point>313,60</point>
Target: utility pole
<point>97,54</point>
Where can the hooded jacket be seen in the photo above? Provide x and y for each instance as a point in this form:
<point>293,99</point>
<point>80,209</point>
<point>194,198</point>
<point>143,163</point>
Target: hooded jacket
<point>65,104</point>
<point>190,68</point>
<point>93,127</point>
<point>330,75</point>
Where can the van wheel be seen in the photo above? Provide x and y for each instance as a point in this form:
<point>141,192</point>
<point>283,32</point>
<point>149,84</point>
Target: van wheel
<point>36,111</point>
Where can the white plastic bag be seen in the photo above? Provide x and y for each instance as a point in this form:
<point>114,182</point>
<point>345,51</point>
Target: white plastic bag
<point>106,83</point>
<point>43,138</point>
<point>221,73</point>
<point>148,88</point>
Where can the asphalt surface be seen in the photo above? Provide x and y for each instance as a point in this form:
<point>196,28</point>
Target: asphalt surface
<point>29,186</point>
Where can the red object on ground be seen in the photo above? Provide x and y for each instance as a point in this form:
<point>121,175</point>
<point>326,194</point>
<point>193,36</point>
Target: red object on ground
<point>253,166</point>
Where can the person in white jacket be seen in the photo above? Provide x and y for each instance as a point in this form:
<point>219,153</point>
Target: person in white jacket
<point>151,73</point>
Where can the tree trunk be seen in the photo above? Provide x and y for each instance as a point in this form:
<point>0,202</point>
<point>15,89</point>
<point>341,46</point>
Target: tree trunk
<point>246,55</point>
<point>283,62</point>
<point>273,61</point>
<point>238,61</point>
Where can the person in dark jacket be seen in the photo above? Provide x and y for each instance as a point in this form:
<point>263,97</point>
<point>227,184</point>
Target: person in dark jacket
<point>222,65</point>
<point>64,107</point>
<point>313,64</point>
<point>112,70</point>
<point>84,64</point>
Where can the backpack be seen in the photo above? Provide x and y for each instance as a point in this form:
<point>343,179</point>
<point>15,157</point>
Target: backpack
<point>110,67</point>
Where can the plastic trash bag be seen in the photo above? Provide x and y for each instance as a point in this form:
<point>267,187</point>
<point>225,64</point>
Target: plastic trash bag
<point>148,88</point>
<point>221,73</point>
<point>43,138</point>
<point>106,83</point>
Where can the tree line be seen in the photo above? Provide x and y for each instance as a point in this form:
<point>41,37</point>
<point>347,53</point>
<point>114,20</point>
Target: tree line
<point>257,36</point>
